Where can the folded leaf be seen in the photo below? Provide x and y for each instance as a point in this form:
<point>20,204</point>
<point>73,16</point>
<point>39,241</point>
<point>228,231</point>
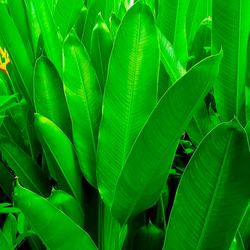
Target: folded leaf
<point>130,94</point>
<point>84,99</point>
<point>68,173</point>
<point>66,13</point>
<point>49,95</point>
<point>208,193</point>
<point>63,233</point>
<point>144,175</point>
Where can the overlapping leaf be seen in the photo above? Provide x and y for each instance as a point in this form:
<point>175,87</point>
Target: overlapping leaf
<point>83,95</point>
<point>212,193</point>
<point>144,175</point>
<point>64,233</point>
<point>130,94</point>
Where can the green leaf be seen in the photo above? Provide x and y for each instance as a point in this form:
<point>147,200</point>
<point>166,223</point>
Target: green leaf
<point>101,45</point>
<point>105,7</point>
<point>230,31</point>
<point>83,95</point>
<point>18,53</point>
<point>68,205</point>
<point>79,25</point>
<point>6,208</point>
<point>130,94</point>
<point>66,13</point>
<point>64,234</point>
<point>3,242</point>
<point>26,169</point>
<point>212,192</point>
<point>237,243</point>
<point>197,11</point>
<point>172,22</point>
<point>7,102</point>
<point>68,173</point>
<point>146,170</point>
<point>10,229</point>
<point>168,57</point>
<point>244,228</point>
<point>51,41</point>
<point>49,95</point>
<point>18,14</point>
<point>33,25</point>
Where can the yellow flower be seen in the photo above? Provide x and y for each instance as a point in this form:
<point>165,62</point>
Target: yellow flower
<point>4,60</point>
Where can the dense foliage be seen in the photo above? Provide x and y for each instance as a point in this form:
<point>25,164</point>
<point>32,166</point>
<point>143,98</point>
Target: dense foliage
<point>124,124</point>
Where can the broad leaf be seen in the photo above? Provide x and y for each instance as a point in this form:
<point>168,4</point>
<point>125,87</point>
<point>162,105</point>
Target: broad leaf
<point>230,31</point>
<point>3,242</point>
<point>68,204</point>
<point>130,94</point>
<point>49,95</point>
<point>144,175</point>
<point>101,45</point>
<point>171,21</point>
<point>24,167</point>
<point>52,44</point>
<point>66,13</point>
<point>68,174</point>
<point>208,193</point>
<point>63,233</point>
<point>83,95</point>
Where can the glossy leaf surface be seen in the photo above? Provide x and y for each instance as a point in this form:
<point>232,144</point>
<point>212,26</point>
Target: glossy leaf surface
<point>146,170</point>
<point>130,94</point>
<point>64,234</point>
<point>212,192</point>
<point>83,95</point>
<point>49,95</point>
<point>231,31</point>
<point>68,174</point>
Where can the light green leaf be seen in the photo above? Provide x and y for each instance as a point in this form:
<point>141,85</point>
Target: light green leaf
<point>18,53</point>
<point>212,192</point>
<point>52,44</point>
<point>230,30</point>
<point>10,229</point>
<point>101,45</point>
<point>66,13</point>
<point>33,25</point>
<point>68,205</point>
<point>3,242</point>
<point>197,11</point>
<point>49,95</point>
<point>146,170</point>
<point>237,243</point>
<point>244,228</point>
<point>168,57</point>
<point>68,174</point>
<point>83,95</point>
<point>24,167</point>
<point>171,21</point>
<point>63,233</point>
<point>18,14</point>
<point>130,94</point>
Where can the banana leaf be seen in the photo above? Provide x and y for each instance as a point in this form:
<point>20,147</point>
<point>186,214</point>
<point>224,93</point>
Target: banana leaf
<point>68,173</point>
<point>64,233</point>
<point>145,172</point>
<point>84,100</point>
<point>130,94</point>
<point>214,187</point>
<point>230,30</point>
<point>49,95</point>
